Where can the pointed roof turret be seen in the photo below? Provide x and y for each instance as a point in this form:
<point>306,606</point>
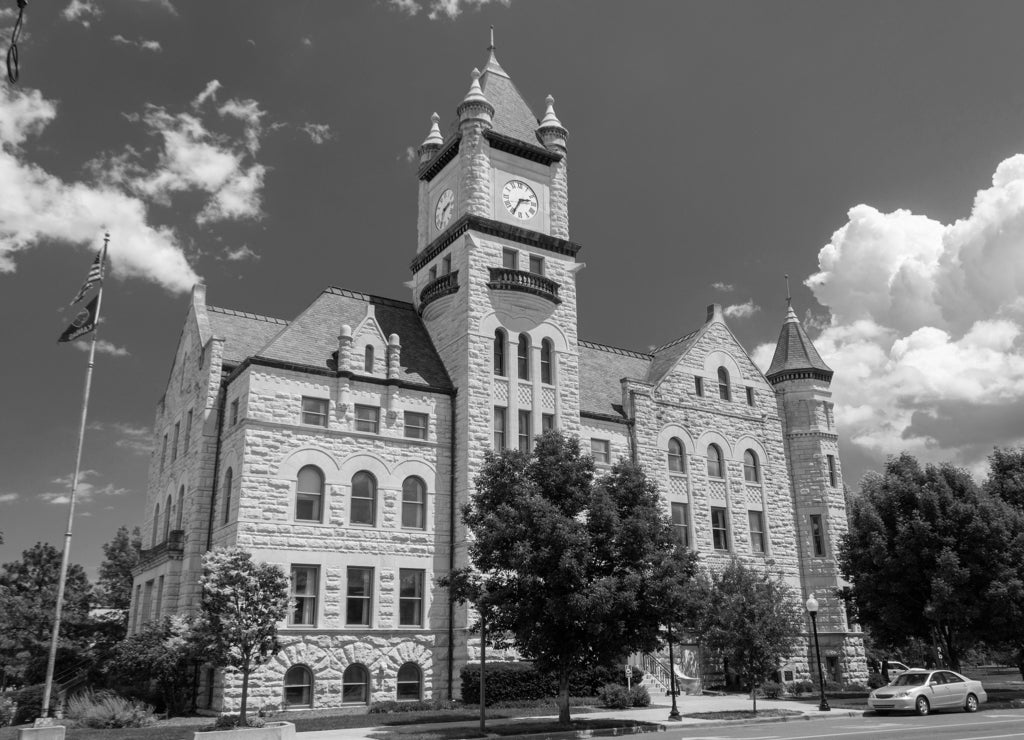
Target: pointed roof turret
<point>551,132</point>
<point>512,116</point>
<point>434,140</point>
<point>795,356</point>
<point>476,105</point>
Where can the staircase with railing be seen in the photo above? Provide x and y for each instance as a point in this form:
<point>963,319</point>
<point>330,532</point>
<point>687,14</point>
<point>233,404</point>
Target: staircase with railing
<point>657,675</point>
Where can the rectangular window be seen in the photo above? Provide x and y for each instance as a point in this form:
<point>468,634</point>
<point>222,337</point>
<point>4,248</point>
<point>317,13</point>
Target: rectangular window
<point>698,385</point>
<point>547,422</point>
<point>314,411</point>
<point>360,596</point>
<point>137,605</point>
<point>833,479</point>
<point>446,265</point>
<point>536,265</point>
<point>188,428</point>
<point>234,412</point>
<point>158,609</point>
<point>304,591</point>
<point>415,425</point>
<point>367,419</point>
<point>147,602</point>
<point>163,454</point>
<point>681,523</point>
<point>600,450</point>
<point>817,535</point>
<point>177,435</point>
<point>432,275</point>
<point>525,438</point>
<point>756,519</point>
<point>410,598</point>
<point>750,396</point>
<point>499,427</point>
<point>510,259</point>
<point>719,528</point>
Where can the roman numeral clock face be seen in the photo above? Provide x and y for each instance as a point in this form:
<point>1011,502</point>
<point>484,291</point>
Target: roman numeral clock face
<point>519,199</point>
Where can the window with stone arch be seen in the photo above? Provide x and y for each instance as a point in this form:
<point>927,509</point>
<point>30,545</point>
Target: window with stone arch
<point>500,344</point>
<point>751,467</point>
<point>364,499</point>
<point>523,357</point>
<point>298,687</point>
<point>181,508</point>
<point>229,480</point>
<point>368,359</point>
<point>355,685</point>
<point>716,465</point>
<point>676,458</point>
<point>156,524</point>
<point>547,364</point>
<point>414,503</point>
<point>167,517</point>
<point>724,391</point>
<point>309,494</point>
<point>410,683</point>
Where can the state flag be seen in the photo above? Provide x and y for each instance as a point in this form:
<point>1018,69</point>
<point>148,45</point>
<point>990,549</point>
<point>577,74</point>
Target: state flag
<point>83,323</point>
<point>95,276</point>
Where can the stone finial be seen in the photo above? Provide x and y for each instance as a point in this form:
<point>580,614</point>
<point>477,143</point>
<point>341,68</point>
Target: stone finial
<point>394,352</point>
<point>551,132</point>
<point>344,346</point>
<point>715,313</point>
<point>434,140</point>
<point>475,105</point>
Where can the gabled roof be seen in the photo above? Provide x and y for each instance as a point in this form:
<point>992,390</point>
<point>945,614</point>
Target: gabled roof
<point>666,356</point>
<point>512,116</point>
<point>601,370</point>
<point>243,333</point>
<point>794,352</point>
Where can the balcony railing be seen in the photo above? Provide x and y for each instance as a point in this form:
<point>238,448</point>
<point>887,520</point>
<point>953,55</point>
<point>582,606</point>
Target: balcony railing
<point>439,288</point>
<point>174,545</point>
<point>502,278</point>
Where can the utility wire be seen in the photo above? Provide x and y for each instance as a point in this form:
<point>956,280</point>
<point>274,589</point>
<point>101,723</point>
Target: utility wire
<point>12,52</point>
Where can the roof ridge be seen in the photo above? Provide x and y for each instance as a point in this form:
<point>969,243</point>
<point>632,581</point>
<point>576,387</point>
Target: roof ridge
<point>247,315</point>
<point>393,302</point>
<point>616,350</point>
<point>676,341</point>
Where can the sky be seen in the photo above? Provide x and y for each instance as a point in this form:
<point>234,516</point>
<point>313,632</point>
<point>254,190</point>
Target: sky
<point>871,150</point>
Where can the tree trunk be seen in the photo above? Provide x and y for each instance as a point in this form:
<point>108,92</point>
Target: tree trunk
<point>245,696</point>
<point>753,695</point>
<point>563,696</point>
<point>1020,660</point>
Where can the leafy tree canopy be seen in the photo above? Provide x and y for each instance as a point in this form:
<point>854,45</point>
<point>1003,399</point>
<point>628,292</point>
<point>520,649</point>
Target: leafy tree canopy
<point>164,652</point>
<point>121,554</point>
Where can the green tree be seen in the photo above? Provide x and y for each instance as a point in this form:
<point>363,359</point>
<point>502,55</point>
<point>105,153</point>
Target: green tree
<point>751,618</point>
<point>164,652</point>
<point>28,595</point>
<point>569,564</point>
<point>121,554</point>
<point>1006,476</point>
<point>242,602</point>
<point>920,553</point>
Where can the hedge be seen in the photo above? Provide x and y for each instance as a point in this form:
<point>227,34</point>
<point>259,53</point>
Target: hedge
<point>523,682</point>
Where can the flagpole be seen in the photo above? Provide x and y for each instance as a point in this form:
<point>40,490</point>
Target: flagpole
<point>52,660</point>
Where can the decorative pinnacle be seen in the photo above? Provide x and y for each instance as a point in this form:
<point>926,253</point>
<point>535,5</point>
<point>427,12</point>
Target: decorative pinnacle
<point>475,94</point>
<point>550,120</point>
<point>789,298</point>
<point>492,47</point>
<point>434,138</point>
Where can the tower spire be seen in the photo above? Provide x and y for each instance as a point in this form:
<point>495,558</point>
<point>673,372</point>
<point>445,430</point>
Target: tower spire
<point>789,298</point>
<point>492,47</point>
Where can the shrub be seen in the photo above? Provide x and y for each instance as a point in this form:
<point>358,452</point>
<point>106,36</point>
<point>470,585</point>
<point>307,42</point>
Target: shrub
<point>802,687</point>
<point>522,682</point>
<point>875,680</point>
<point>638,697</point>
<point>6,711</point>
<point>427,705</point>
<point>231,721</point>
<point>30,703</point>
<point>855,687</point>
<point>106,710</point>
<point>268,710</point>
<point>771,689</point>
<point>616,696</point>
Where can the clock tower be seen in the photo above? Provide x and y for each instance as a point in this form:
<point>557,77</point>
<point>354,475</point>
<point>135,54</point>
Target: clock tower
<point>494,278</point>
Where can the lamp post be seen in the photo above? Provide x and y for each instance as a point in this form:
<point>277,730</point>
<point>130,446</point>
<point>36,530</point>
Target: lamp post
<point>674,714</point>
<point>812,609</point>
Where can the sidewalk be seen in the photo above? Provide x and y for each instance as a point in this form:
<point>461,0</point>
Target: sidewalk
<point>656,714</point>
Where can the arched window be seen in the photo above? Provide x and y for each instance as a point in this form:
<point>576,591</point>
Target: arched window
<point>364,499</point>
<point>368,359</point>
<point>715,466</point>
<point>676,460</point>
<point>547,371</point>
<point>298,687</point>
<point>181,508</point>
<point>414,503</point>
<point>355,685</point>
<point>156,524</point>
<point>229,479</point>
<point>523,357</point>
<point>409,680</point>
<point>309,494</point>
<point>167,516</point>
<point>751,467</point>
<point>723,384</point>
<point>500,343</point>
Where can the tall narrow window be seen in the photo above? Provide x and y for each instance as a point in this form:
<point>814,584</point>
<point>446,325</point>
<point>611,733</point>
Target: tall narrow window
<point>818,535</point>
<point>158,607</point>
<point>234,412</point>
<point>723,384</point>
<point>681,523</point>
<point>499,427</point>
<point>314,411</point>
<point>163,454</point>
<point>177,433</point>
<point>547,373</point>
<point>414,503</point>
<point>298,687</point>
<point>536,265</point>
<point>500,343</point>
<point>525,437</point>
<point>446,265</point>
<point>309,494</point>
<point>359,598</point>
<point>523,357</point>
<point>156,525</point>
<point>432,274</point>
<point>750,396</point>
<point>756,519</point>
<point>719,528</point>
<point>410,598</point>
<point>181,508</point>
<point>367,419</point>
<point>409,681</point>
<point>676,460</point>
<point>600,450</point>
<point>167,517</point>
<point>304,593</point>
<point>698,385</point>
<point>715,467</point>
<point>509,259</point>
<point>368,359</point>
<point>188,428</point>
<point>364,499</point>
<point>355,685</point>
<point>751,467</point>
<point>833,479</point>
<point>228,482</point>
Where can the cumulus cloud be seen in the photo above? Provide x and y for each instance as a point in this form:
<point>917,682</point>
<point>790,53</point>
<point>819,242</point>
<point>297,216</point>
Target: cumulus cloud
<point>926,333</point>
<point>741,310</point>
<point>406,6</point>
<point>102,346</point>
<point>307,41</point>
<point>6,498</point>
<point>318,133</point>
<point>140,44</point>
<point>82,11</point>
<point>87,489</point>
<point>723,287</point>
<point>127,436</point>
<point>435,9</point>
<point>240,254</point>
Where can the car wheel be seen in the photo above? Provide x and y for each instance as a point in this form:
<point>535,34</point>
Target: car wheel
<point>971,705</point>
<point>921,706</point>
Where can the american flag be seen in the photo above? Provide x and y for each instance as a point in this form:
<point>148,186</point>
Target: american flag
<point>95,276</point>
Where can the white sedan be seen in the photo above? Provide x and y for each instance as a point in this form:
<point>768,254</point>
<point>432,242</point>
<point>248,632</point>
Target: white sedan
<point>921,691</point>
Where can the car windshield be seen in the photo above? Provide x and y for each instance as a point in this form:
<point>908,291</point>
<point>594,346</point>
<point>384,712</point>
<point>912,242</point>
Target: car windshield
<point>910,679</point>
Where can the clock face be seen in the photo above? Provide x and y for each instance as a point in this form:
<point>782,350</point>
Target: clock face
<point>519,199</point>
<point>445,208</point>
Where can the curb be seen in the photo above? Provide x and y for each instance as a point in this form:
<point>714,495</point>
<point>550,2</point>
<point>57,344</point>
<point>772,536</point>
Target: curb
<point>607,732</point>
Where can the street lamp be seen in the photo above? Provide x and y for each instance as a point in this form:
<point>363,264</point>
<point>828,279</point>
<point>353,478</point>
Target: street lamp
<point>812,609</point>
<point>674,714</point>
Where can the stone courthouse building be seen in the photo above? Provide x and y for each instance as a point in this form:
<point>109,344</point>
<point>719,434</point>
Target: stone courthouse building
<point>340,443</point>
